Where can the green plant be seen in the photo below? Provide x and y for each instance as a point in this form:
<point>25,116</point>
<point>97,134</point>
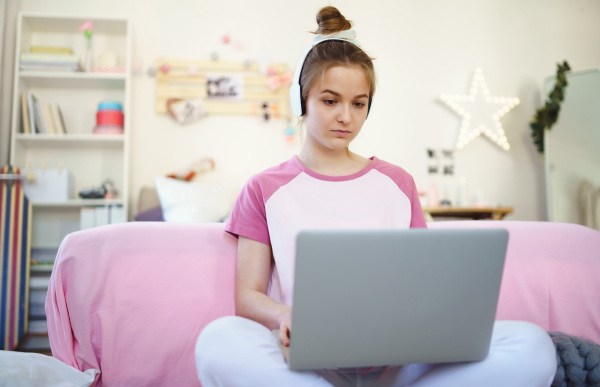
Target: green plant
<point>547,116</point>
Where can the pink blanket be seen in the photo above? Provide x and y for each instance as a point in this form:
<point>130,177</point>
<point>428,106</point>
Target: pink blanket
<point>551,275</point>
<point>130,299</point>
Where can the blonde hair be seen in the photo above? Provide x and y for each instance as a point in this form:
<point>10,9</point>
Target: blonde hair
<point>332,53</point>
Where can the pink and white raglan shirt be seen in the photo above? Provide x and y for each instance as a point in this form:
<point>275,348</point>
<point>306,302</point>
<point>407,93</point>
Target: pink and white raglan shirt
<point>276,204</point>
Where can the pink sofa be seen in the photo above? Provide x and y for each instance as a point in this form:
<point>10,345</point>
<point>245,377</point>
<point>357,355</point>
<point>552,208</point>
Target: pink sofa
<point>130,299</point>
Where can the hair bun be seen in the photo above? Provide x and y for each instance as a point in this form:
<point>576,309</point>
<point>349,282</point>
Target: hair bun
<point>331,21</point>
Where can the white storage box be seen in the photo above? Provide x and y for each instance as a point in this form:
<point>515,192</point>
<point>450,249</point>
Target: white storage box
<point>50,185</point>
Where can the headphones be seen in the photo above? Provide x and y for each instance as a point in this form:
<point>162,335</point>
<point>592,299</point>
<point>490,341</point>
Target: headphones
<point>297,102</point>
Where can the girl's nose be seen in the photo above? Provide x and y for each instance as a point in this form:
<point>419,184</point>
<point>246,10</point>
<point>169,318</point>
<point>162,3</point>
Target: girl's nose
<point>344,113</point>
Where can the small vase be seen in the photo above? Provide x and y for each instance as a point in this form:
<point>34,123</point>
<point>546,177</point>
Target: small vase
<point>87,67</point>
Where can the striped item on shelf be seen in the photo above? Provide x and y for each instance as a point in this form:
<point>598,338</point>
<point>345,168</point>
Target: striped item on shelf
<point>15,240</point>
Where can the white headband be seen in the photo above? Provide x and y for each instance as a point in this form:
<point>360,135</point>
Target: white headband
<point>296,100</point>
<point>348,35</point>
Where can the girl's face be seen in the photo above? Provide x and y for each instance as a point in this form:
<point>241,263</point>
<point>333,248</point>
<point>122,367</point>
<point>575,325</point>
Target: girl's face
<point>336,107</point>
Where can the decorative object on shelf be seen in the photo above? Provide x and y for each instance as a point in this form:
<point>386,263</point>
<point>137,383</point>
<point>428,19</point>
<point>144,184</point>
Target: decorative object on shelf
<point>49,185</point>
<point>433,199</point>
<point>109,118</point>
<point>110,192</point>
<point>87,28</point>
<point>547,116</point>
<point>224,87</point>
<point>15,224</point>
<point>106,190</point>
<point>481,112</point>
<point>109,69</point>
<point>108,63</point>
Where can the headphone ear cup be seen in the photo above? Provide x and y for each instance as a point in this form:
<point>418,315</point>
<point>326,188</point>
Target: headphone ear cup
<point>302,101</point>
<point>296,101</point>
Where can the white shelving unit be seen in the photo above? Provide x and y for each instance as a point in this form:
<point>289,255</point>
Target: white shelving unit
<point>90,158</point>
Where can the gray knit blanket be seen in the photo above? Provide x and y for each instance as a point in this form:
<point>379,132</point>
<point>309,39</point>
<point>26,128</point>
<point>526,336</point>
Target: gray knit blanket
<point>578,361</point>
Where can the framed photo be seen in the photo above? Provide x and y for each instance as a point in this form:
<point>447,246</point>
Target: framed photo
<point>226,87</point>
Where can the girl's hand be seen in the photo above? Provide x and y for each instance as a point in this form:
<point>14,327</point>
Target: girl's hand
<point>285,327</point>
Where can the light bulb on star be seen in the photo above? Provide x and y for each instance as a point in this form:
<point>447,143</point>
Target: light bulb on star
<point>480,112</point>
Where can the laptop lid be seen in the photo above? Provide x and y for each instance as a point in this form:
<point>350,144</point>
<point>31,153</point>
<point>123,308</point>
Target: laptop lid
<point>391,297</point>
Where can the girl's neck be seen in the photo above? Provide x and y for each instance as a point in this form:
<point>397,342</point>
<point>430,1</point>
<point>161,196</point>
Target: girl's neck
<point>335,163</point>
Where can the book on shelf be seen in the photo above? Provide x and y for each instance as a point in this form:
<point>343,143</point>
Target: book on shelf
<point>48,119</point>
<point>50,50</point>
<point>48,62</point>
<point>25,128</point>
<point>40,117</point>
<point>59,122</point>
<point>40,126</point>
<point>30,110</point>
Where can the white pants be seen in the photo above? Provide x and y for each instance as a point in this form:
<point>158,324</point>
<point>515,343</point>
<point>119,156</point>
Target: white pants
<point>233,351</point>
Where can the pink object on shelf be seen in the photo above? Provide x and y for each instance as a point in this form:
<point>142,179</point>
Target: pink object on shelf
<point>108,69</point>
<point>108,129</point>
<point>109,117</point>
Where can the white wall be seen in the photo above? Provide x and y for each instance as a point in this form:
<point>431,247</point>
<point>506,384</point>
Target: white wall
<point>423,48</point>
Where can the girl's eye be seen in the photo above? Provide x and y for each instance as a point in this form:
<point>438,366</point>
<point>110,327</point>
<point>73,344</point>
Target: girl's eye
<point>360,104</point>
<point>329,102</point>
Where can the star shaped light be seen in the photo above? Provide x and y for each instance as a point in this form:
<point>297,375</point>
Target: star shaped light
<point>481,113</point>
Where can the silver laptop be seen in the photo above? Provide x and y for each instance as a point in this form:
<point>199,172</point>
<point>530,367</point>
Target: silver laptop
<point>392,297</point>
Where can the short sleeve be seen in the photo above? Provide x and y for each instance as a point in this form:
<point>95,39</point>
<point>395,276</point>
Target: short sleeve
<point>417,219</point>
<point>248,217</point>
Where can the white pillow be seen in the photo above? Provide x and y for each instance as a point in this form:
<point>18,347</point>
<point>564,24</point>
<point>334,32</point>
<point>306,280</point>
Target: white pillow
<point>34,369</point>
<point>183,201</point>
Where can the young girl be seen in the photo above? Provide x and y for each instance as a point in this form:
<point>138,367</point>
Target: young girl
<point>329,186</point>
